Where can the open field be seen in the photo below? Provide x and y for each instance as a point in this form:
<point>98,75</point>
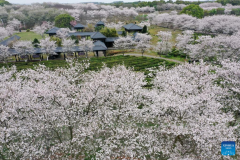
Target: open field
<point>26,36</point>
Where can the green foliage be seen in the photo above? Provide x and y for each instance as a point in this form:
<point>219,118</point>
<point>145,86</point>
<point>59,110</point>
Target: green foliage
<point>177,53</point>
<point>236,11</point>
<point>28,36</point>
<point>63,20</point>
<point>109,32</point>
<point>144,29</point>
<point>206,13</point>
<point>36,43</point>
<point>89,28</point>
<point>28,30</point>
<point>141,18</point>
<point>57,40</point>
<point>73,37</point>
<point>3,2</point>
<point>220,10</point>
<point>233,2</point>
<point>212,12</point>
<point>98,28</point>
<point>217,11</point>
<point>124,34</point>
<point>193,10</point>
<point>76,41</point>
<point>188,2</point>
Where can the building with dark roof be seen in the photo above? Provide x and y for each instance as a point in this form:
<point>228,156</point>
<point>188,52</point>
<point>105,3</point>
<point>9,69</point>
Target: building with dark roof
<point>79,26</point>
<point>10,40</point>
<point>132,28</point>
<point>110,41</point>
<point>100,46</point>
<point>98,36</point>
<point>100,23</point>
<point>52,31</point>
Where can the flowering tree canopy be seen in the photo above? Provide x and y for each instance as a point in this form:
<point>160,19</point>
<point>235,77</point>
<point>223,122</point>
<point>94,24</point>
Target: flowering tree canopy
<point>165,45</point>
<point>143,42</point>
<point>48,46</point>
<point>86,45</point>
<point>4,53</point>
<point>69,113</point>
<point>124,43</point>
<point>24,47</point>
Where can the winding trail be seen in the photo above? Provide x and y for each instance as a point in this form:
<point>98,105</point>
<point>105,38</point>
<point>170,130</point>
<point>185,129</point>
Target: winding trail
<point>139,55</point>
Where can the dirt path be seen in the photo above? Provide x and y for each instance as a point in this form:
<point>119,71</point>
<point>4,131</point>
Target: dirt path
<point>139,55</point>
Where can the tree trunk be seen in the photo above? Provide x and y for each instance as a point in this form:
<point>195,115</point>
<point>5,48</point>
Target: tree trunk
<point>47,58</point>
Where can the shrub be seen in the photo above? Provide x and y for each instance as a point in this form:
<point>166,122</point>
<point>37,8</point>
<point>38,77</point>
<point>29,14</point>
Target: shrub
<point>28,30</point>
<point>109,32</point>
<point>35,43</point>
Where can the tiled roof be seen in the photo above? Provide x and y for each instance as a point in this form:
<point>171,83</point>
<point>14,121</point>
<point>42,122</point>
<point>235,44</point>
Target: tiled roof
<point>79,26</point>
<point>98,35</point>
<point>100,22</point>
<point>120,32</point>
<point>111,39</point>
<point>132,26</point>
<point>99,46</point>
<point>82,34</point>
<point>52,30</point>
<point>9,40</point>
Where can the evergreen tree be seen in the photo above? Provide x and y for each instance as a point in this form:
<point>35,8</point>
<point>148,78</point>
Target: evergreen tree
<point>36,43</point>
<point>124,34</point>
<point>144,29</point>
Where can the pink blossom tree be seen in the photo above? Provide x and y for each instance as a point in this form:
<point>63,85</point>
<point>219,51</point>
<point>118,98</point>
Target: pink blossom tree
<point>124,43</point>
<point>165,45</point>
<point>143,42</point>
<point>69,113</point>
<point>4,53</point>
<point>15,24</point>
<point>229,74</point>
<point>39,30</point>
<point>63,33</point>
<point>10,30</point>
<point>3,33</point>
<point>86,46</point>
<point>68,45</point>
<point>189,110</point>
<point>24,48</point>
<point>48,46</point>
<point>117,26</point>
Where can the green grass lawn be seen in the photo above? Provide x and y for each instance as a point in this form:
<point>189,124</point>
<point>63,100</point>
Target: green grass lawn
<point>178,58</point>
<point>26,36</point>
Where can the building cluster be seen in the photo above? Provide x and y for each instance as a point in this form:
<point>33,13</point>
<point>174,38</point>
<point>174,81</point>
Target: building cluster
<point>101,42</point>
